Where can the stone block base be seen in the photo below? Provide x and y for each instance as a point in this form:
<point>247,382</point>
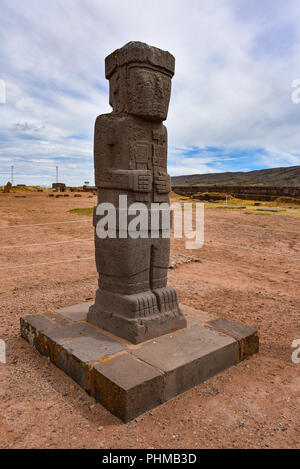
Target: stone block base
<point>131,379</point>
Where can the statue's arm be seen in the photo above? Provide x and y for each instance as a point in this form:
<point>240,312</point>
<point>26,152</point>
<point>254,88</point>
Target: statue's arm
<point>131,180</point>
<point>162,180</point>
<point>107,132</point>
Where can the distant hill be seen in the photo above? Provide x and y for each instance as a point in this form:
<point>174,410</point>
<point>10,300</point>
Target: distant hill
<point>277,177</point>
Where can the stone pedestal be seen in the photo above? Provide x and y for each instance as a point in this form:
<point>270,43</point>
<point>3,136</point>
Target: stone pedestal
<point>131,379</point>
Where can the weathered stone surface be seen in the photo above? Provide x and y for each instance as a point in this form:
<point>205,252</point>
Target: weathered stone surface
<point>76,312</point>
<point>124,323</point>
<point>51,341</point>
<point>31,326</point>
<point>246,336</point>
<point>69,332</point>
<point>38,322</point>
<point>130,158</point>
<point>129,380</point>
<point>73,356</point>
<point>92,347</point>
<point>189,357</point>
<point>139,53</point>
<point>127,387</point>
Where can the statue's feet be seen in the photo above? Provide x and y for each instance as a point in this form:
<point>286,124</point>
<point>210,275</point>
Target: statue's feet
<point>166,299</point>
<point>139,305</point>
<point>138,317</point>
<point>145,304</point>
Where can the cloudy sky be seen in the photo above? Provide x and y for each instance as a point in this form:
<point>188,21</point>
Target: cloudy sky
<point>231,106</point>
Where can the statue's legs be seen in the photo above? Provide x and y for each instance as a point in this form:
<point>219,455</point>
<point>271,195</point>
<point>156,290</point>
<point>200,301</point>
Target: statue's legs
<point>159,264</point>
<point>133,300</point>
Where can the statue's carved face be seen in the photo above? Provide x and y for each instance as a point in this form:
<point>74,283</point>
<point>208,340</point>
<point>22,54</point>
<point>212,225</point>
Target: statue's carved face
<point>148,93</point>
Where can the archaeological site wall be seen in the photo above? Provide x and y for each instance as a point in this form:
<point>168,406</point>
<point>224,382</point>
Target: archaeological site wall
<point>241,192</point>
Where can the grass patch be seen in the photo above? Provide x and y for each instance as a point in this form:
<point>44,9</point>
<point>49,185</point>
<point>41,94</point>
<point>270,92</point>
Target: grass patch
<point>249,210</point>
<point>293,210</point>
<point>82,211</point>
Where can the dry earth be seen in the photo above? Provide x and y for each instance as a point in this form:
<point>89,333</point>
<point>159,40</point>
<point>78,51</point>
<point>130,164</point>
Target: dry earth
<point>248,270</point>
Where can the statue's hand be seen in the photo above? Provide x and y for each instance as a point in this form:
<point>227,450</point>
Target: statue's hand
<point>162,182</point>
<point>142,181</point>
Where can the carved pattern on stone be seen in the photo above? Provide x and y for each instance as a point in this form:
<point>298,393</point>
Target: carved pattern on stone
<point>130,158</point>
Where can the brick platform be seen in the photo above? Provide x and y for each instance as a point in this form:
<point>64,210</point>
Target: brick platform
<point>131,379</point>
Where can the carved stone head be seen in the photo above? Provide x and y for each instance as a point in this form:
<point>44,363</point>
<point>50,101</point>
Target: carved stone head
<point>140,80</point>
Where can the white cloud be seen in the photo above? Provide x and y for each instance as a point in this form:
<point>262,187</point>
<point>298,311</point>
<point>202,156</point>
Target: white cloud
<point>235,63</point>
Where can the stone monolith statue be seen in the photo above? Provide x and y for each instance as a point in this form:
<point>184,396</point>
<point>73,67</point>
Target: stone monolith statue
<point>130,156</point>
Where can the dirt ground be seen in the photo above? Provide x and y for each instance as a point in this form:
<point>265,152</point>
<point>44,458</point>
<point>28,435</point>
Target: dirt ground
<point>248,270</point>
